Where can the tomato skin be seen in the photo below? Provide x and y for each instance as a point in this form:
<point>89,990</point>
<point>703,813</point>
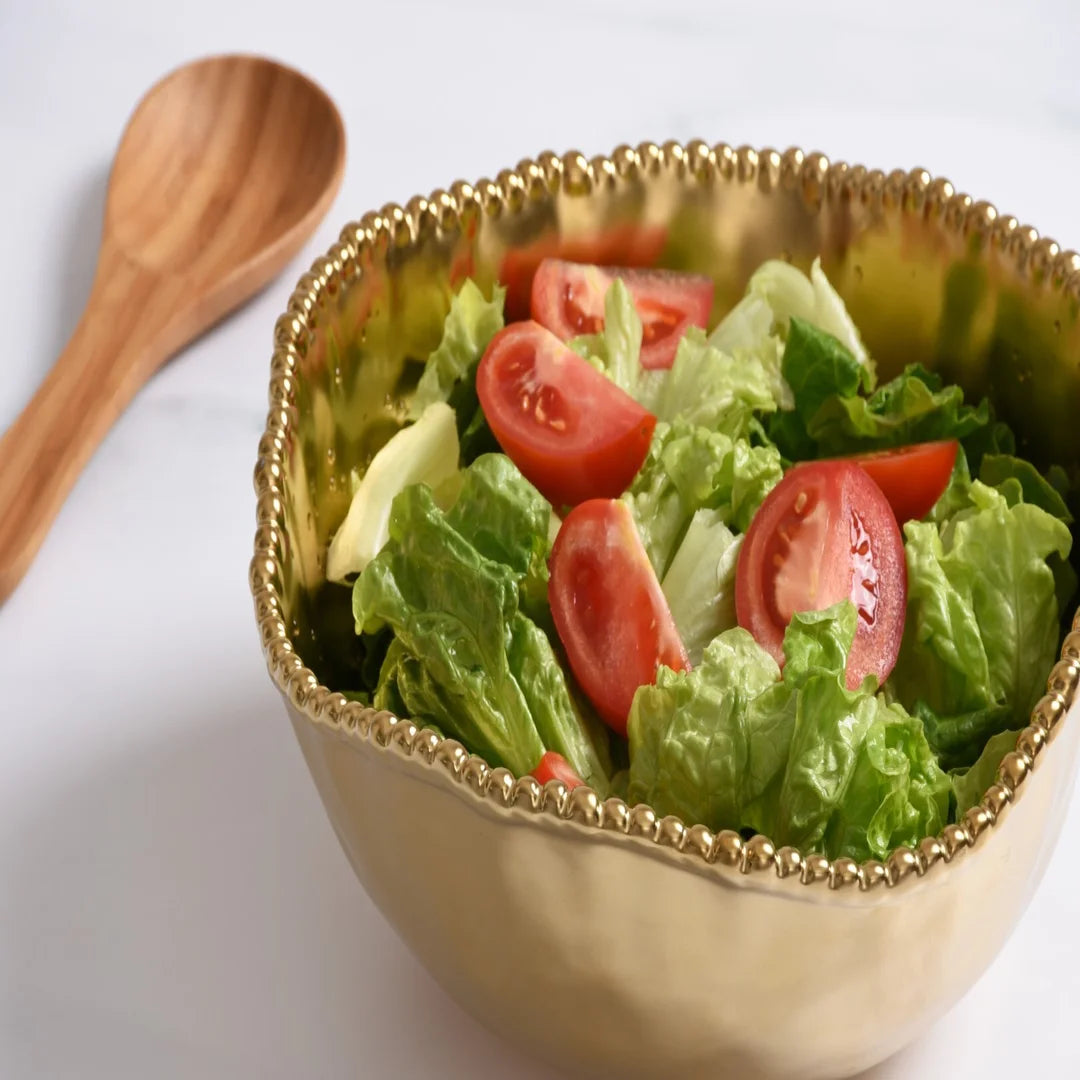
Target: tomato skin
<point>913,478</point>
<point>554,766</point>
<point>618,245</point>
<point>570,430</point>
<point>568,298</point>
<point>610,613</point>
<point>825,533</point>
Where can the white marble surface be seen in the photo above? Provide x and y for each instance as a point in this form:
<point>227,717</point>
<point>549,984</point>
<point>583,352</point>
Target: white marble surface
<point>173,902</point>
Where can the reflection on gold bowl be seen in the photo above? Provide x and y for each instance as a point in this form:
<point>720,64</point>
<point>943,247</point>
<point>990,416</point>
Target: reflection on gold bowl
<point>590,932</point>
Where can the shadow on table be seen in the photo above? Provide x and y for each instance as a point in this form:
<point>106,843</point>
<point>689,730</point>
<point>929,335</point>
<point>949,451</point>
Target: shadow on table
<point>181,907</point>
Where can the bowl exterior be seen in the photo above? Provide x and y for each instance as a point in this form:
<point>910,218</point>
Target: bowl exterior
<point>593,933</point>
<point>613,955</point>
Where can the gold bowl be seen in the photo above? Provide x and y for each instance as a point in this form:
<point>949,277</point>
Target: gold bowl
<point>595,934</point>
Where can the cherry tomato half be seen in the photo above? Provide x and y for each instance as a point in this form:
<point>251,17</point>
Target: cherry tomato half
<point>609,611</point>
<point>569,429</point>
<point>913,478</point>
<point>825,533</point>
<point>568,298</point>
<point>554,766</point>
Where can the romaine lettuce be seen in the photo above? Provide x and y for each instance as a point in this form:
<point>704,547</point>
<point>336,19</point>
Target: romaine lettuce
<point>464,656</point>
<point>982,618</point>
<point>704,386</point>
<point>711,389</point>
<point>912,408</point>
<point>689,468</point>
<point>801,758</point>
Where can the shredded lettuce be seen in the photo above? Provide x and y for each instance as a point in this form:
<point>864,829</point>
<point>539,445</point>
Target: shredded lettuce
<point>705,386</point>
<point>689,468</point>
<point>711,389</point>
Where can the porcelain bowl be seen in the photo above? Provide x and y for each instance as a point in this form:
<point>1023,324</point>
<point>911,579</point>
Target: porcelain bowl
<point>594,934</point>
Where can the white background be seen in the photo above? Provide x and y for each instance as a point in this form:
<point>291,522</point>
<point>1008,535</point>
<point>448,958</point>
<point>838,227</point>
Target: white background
<point>173,902</point>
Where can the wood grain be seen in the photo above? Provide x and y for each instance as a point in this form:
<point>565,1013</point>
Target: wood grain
<point>224,170</point>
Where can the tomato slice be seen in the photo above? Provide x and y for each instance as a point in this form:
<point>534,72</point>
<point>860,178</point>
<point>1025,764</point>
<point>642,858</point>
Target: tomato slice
<point>569,429</point>
<point>554,766</point>
<point>608,608</point>
<point>824,533</point>
<point>913,478</point>
<point>568,298</point>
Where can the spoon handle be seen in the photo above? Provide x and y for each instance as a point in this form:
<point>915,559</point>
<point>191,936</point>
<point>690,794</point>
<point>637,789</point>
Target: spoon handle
<point>117,344</point>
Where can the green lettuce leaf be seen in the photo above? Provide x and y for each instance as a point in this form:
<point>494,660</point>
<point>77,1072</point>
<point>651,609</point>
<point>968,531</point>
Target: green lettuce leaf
<point>506,519</point>
<point>450,609</point>
<point>957,493</point>
<point>914,407</point>
<point>958,740</point>
<point>563,721</point>
<point>450,372</point>
<point>690,743</point>
<point>818,642</point>
<point>464,656</point>
<point>860,777</point>
<point>982,620</point>
<point>689,468</point>
<point>1004,470</point>
<point>819,369</point>
<point>897,794</point>
<point>802,758</point>
<point>970,785</point>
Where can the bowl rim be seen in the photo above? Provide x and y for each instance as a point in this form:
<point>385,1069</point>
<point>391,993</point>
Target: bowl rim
<point>1040,260</point>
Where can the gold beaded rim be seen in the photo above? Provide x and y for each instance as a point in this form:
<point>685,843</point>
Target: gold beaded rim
<point>917,192</point>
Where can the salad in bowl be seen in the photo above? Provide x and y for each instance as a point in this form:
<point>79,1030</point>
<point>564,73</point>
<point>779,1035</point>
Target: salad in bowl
<point>665,562</point>
<point>722,570</point>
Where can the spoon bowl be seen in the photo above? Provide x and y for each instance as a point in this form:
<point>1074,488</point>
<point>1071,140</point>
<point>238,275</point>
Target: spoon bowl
<point>225,160</point>
<point>223,171</point>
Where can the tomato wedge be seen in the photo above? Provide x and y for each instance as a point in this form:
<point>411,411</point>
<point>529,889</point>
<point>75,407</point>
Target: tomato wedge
<point>568,298</point>
<point>913,478</point>
<point>554,766</point>
<point>609,611</point>
<point>824,533</point>
<point>569,429</point>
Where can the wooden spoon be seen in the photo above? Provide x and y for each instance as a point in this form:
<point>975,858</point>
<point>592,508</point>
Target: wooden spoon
<point>224,170</point>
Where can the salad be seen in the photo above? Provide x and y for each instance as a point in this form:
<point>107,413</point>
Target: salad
<point>726,571</point>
